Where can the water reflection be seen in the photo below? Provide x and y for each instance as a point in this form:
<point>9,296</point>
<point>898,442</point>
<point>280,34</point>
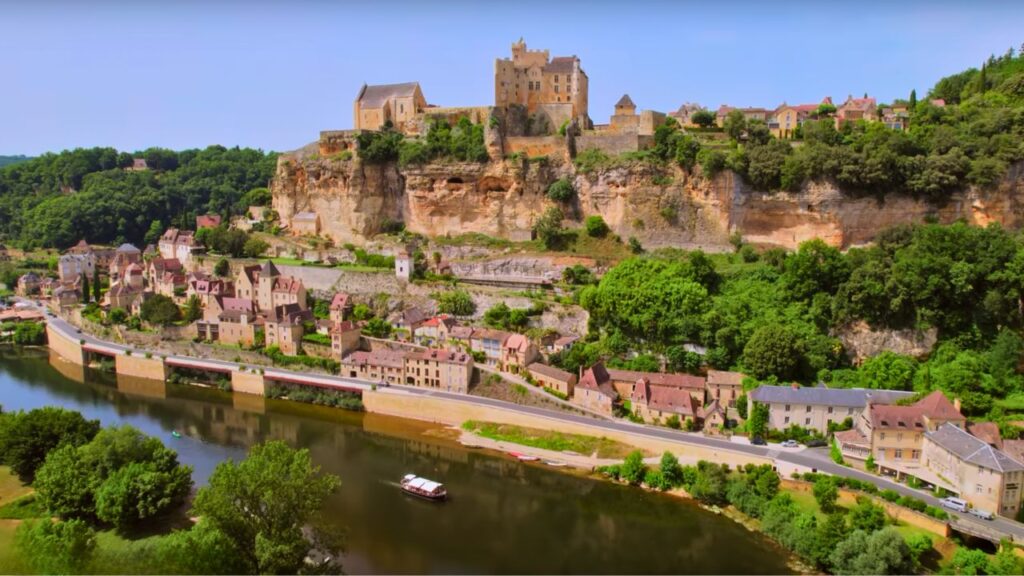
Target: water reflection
<point>504,516</point>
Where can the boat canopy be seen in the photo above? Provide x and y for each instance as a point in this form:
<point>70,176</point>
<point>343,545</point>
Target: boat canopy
<point>424,484</point>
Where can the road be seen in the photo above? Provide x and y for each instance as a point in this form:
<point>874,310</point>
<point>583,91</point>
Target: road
<point>812,458</point>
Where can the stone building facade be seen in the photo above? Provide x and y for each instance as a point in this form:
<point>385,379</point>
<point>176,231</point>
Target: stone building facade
<point>557,87</point>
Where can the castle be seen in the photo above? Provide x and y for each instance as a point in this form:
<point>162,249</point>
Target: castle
<point>556,87</point>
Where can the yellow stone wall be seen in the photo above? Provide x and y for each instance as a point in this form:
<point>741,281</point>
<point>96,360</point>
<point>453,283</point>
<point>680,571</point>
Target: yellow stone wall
<point>248,383</point>
<point>141,367</point>
<point>70,350</point>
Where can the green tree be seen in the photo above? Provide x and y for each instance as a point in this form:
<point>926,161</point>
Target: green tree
<point>456,303</point>
<point>969,562</point>
<point>633,468</point>
<point>142,490</point>
<point>913,100</point>
<point>735,124</point>
<point>596,227</point>
<point>377,328</point>
<point>826,493</point>
<point>263,503</point>
<point>55,547</point>
<point>1005,561</point>
<point>97,288</point>
<point>887,371</point>
<point>671,470</point>
<point>160,309</point>
<point>548,228</point>
<point>193,309</point>
<point>703,118</point>
<point>86,294</point>
<point>881,552</point>
<point>27,437</point>
<point>757,426</point>
<point>222,268</point>
<point>202,549</point>
<point>773,350</point>
<point>710,485</point>
<point>154,232</point>
<point>29,333</point>
<point>254,247</point>
<point>867,516</point>
<point>561,190</point>
<point>741,406</point>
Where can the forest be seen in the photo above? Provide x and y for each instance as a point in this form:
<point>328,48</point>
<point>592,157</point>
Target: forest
<point>56,200</point>
<point>779,316</point>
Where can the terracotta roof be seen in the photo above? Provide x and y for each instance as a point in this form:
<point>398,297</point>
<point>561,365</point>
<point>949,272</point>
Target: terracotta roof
<point>665,398</point>
<point>658,378</point>
<point>252,273</point>
<point>724,378</point>
<point>987,432</point>
<point>853,436</point>
<point>972,450</point>
<point>566,340</point>
<point>560,65</point>
<point>228,303</point>
<point>461,332</point>
<point>374,96</point>
<point>490,334</point>
<point>208,221</point>
<point>596,378</point>
<point>287,314</point>
<point>386,358</point>
<point>1014,449</point>
<point>343,326</point>
<point>446,356</point>
<point>287,284</point>
<point>934,406</point>
<point>551,372</point>
<point>518,342</point>
<point>341,301</point>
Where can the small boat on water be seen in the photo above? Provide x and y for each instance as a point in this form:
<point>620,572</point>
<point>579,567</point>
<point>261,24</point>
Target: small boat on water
<point>523,457</point>
<point>175,433</point>
<point>554,463</point>
<point>413,484</point>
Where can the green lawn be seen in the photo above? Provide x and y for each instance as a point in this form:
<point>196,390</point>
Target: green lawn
<point>549,440</point>
<point>11,488</point>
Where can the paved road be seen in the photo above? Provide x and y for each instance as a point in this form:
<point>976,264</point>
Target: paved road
<point>812,458</point>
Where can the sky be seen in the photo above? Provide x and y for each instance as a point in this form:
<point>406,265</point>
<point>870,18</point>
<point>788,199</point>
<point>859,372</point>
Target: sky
<point>271,75</point>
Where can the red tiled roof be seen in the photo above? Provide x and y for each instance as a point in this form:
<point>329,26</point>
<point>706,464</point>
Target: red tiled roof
<point>934,406</point>
<point>340,301</point>
<point>287,284</point>
<point>446,356</point>
<point>665,398</point>
<point>658,378</point>
<point>987,432</point>
<point>208,221</point>
<point>725,378</point>
<point>517,342</point>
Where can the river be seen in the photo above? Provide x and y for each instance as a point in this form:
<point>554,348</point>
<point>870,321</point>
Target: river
<point>503,516</point>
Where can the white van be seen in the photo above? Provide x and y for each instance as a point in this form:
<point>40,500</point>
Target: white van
<point>983,514</point>
<point>954,504</point>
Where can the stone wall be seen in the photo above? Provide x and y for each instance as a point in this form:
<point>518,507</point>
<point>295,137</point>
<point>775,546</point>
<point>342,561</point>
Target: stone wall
<point>248,383</point>
<point>139,366</point>
<point>68,349</point>
<point>534,146</point>
<point>455,412</point>
<point>613,143</point>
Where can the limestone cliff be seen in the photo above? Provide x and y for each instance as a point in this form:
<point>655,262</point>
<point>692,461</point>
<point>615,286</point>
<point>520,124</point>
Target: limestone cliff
<point>661,207</point>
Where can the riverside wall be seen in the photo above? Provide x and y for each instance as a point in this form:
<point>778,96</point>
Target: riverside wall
<point>455,412</point>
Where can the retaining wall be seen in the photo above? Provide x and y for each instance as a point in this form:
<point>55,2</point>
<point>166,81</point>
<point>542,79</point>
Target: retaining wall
<point>141,367</point>
<point>70,350</point>
<point>248,383</point>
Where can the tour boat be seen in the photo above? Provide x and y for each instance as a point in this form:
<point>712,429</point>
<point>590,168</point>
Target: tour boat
<point>413,484</point>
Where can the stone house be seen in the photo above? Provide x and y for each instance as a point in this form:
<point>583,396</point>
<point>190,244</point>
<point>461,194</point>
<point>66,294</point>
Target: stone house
<point>896,117</point>
<point>594,390</point>
<point>563,343</point>
<point>518,352</point>
<point>66,297</point>
<point>156,267</point>
<point>815,407</point>
<point>984,476</point>
<point>28,284</point>
<point>283,328</point>
<point>658,403</point>
<point>305,224</point>
<point>345,338</point>
<point>554,378</point>
<point>237,326</point>
<point>724,386</point>
<point>556,89</point>
<point>787,118</point>
<point>341,307</point>
<point>170,284</point>
<point>409,320</point>
<point>434,330</point>
<point>490,342</point>
<point>403,265</point>
<point>856,109</point>
<point>207,288</point>
<point>70,266</point>
<point>624,382</point>
<point>178,244</point>
<point>714,416</point>
<point>377,105</point>
<point>377,366</point>
<point>439,369</point>
<point>247,282</point>
<point>761,114</point>
<point>894,434</point>
<point>122,296</point>
<point>273,289</point>
<point>460,337</point>
<point>124,256</point>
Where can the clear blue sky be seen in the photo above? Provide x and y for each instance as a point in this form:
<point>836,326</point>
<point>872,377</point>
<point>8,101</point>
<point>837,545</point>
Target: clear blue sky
<point>273,74</point>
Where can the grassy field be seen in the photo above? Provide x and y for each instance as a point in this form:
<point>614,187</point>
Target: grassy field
<point>548,440</point>
<point>11,487</point>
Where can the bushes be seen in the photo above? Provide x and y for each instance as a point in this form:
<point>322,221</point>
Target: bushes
<point>318,396</point>
<point>281,359</point>
<point>561,190</point>
<point>596,227</point>
<point>455,302</point>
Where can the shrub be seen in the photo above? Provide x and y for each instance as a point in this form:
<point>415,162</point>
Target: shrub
<point>596,227</point>
<point>561,190</point>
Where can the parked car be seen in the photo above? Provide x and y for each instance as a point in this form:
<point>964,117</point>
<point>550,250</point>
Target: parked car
<point>954,504</point>
<point>790,444</point>
<point>757,441</point>
<point>816,443</point>
<point>983,514</point>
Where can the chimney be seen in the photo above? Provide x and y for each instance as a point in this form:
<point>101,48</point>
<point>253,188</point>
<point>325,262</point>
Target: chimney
<point>956,404</point>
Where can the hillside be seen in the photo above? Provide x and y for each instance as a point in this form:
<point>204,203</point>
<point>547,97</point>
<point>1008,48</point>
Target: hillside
<point>8,160</point>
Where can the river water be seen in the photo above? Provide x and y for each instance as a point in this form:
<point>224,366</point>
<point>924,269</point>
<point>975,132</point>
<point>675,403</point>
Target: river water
<point>503,516</point>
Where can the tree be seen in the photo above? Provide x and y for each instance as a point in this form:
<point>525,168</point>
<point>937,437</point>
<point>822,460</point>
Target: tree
<point>561,190</point>
<point>56,547</point>
<point>826,493</point>
<point>969,562</point>
<point>883,552</point>
<point>29,333</point>
<point>456,303</point>
<point>86,294</point>
<point>548,228</point>
<point>142,490</point>
<point>710,485</point>
<point>223,268</point>
<point>201,549</point>
<point>377,328</point>
<point>815,267</point>
<point>633,468</point>
<point>193,309</point>
<point>866,516</point>
<point>154,232</point>
<point>887,371</point>
<point>160,309</point>
<point>254,247</point>
<point>735,124</point>
<point>757,426</point>
<point>671,471</point>
<point>263,503</point>
<point>741,406</point>
<point>913,100</point>
<point>1005,561</point>
<point>596,227</point>
<point>96,287</point>
<point>703,118</point>
<point>27,437</point>
<point>773,350</point>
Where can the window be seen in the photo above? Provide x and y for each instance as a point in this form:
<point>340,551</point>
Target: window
<point>829,409</point>
<point>977,488</point>
<point>808,408</point>
<point>401,108</point>
<point>807,421</point>
<point>897,454</point>
<point>787,420</point>
<point>849,410</point>
<point>882,436</point>
<point>787,407</point>
<point>556,88</point>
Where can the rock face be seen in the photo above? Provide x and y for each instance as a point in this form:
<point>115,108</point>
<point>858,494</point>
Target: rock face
<point>861,342</point>
<point>659,206</point>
